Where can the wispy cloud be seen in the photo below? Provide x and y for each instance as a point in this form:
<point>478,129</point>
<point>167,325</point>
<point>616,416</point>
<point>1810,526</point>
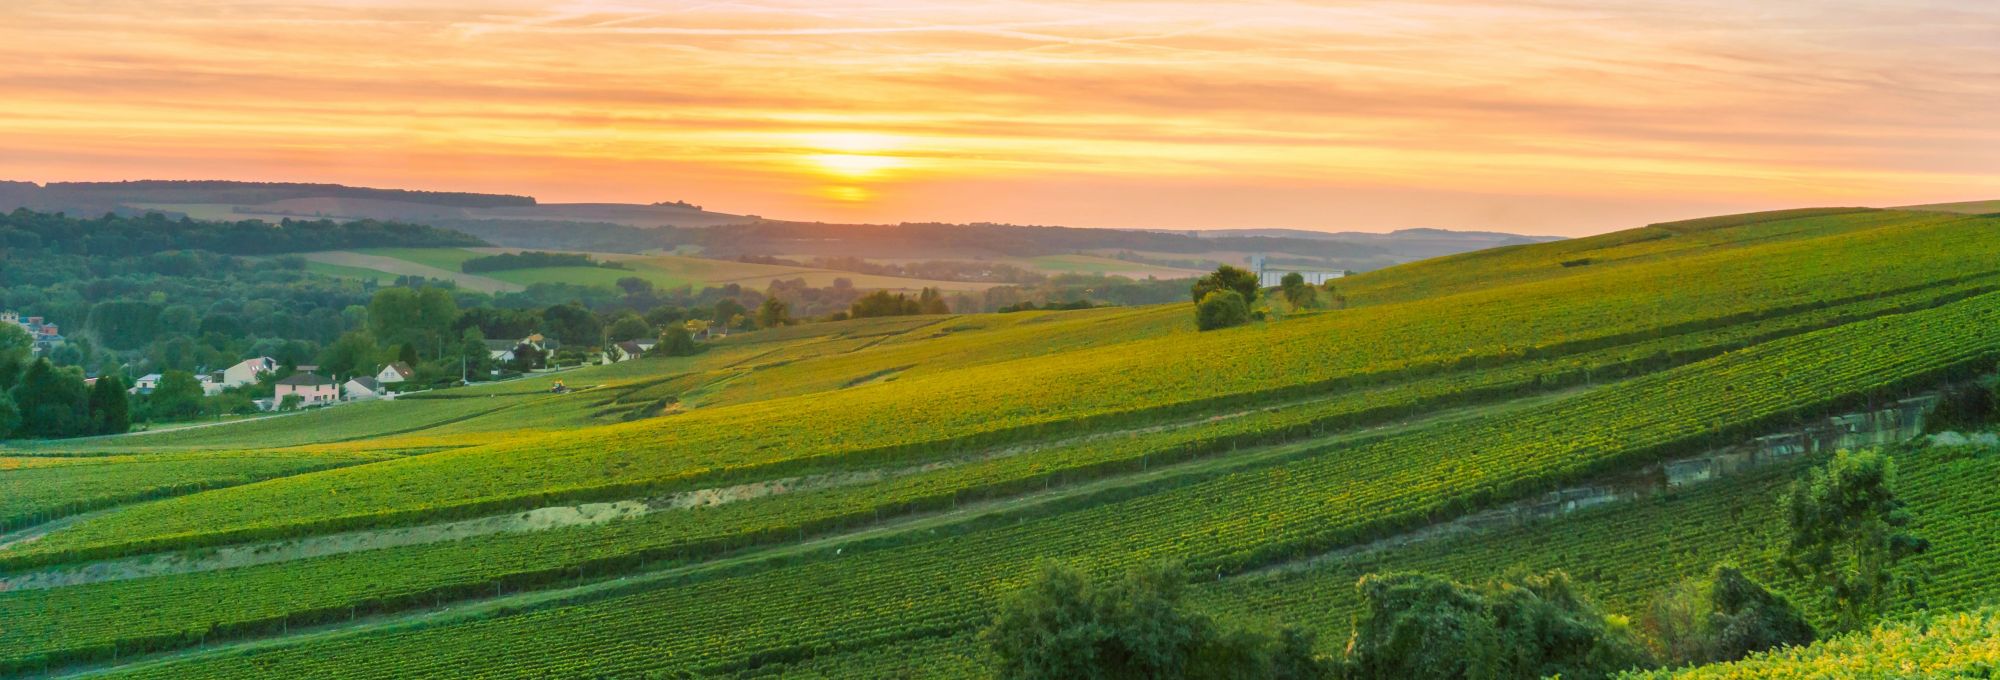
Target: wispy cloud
<point>1544,115</point>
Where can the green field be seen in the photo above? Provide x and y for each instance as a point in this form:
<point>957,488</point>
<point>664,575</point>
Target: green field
<point>664,271</point>
<point>849,499</point>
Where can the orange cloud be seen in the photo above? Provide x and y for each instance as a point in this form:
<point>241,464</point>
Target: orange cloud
<point>1536,116</point>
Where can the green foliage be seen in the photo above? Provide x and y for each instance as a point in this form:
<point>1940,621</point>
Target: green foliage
<point>573,325</point>
<point>883,303</point>
<point>1062,625</point>
<point>291,402</point>
<point>177,397</point>
<point>10,415</point>
<point>110,406</point>
<point>1929,645</point>
<point>53,402</point>
<point>421,317</point>
<point>931,301</point>
<point>1847,535</point>
<point>354,353</point>
<point>532,259</point>
<point>1225,277</point>
<point>1521,626</point>
<point>16,350</point>
<point>1221,309</point>
<point>773,313</point>
<point>628,326</point>
<point>1297,293</point>
<point>1723,618</point>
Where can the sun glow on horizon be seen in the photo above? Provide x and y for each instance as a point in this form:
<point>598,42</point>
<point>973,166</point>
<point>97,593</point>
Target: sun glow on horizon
<point>1542,117</point>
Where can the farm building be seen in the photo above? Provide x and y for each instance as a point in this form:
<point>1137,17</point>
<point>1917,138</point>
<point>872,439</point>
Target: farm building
<point>1271,276</point>
<point>361,388</point>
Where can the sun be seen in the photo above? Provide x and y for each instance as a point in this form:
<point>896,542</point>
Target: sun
<point>854,166</point>
<point>850,156</point>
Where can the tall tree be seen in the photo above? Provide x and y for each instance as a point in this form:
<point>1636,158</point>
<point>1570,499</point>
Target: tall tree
<point>354,353</point>
<point>178,396</point>
<point>1225,277</point>
<point>10,416</point>
<point>931,301</point>
<point>773,313</point>
<point>676,341</point>
<point>1297,293</point>
<point>17,348</point>
<point>628,326</point>
<point>573,324</point>
<point>110,406</point>
<point>1848,535</point>
<point>53,402</point>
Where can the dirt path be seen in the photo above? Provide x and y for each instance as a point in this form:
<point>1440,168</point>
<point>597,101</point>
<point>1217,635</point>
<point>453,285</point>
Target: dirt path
<point>541,519</point>
<point>405,267</point>
<point>828,546</point>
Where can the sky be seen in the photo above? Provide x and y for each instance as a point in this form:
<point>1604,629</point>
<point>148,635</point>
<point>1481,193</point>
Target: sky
<point>1561,117</point>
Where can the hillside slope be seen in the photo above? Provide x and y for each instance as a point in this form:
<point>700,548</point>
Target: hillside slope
<point>845,491</point>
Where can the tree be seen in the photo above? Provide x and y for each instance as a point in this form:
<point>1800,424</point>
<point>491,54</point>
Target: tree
<point>291,402</point>
<point>931,301</point>
<point>573,325</point>
<point>628,326</point>
<point>883,303</point>
<point>1723,618</point>
<point>110,406</point>
<point>414,316</point>
<point>474,359</point>
<point>17,348</point>
<point>1847,535</point>
<point>1297,293</point>
<point>1062,625</point>
<point>633,285</point>
<point>1221,309</point>
<point>10,416</point>
<point>1521,626</point>
<point>676,341</point>
<point>773,313</point>
<point>53,402</point>
<point>1225,277</point>
<point>353,353</point>
<point>177,397</point>
<point>727,309</point>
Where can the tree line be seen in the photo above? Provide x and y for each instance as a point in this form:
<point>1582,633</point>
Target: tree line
<point>1846,541</point>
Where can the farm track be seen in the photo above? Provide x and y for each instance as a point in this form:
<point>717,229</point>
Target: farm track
<point>822,546</point>
<point>551,517</point>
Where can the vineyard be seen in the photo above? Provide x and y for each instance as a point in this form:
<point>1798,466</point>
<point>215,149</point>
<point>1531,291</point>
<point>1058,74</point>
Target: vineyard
<point>849,499</point>
<point>1961,645</point>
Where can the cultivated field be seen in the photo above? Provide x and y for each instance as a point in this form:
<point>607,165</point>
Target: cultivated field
<point>850,499</point>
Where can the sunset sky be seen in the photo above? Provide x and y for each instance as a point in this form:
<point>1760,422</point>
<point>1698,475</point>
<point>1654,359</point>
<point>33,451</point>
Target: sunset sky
<point>1544,116</point>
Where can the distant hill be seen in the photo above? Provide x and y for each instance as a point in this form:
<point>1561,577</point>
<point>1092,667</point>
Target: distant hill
<point>1967,207</point>
<point>522,222</point>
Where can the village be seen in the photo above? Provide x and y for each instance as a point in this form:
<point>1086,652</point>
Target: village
<point>306,386</point>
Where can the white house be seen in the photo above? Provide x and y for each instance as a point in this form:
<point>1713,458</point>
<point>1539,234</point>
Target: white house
<point>394,373</point>
<point>145,384</point>
<point>209,386</point>
<point>626,351</point>
<point>361,388</point>
<point>313,389</point>
<point>1269,276</point>
<point>246,371</point>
